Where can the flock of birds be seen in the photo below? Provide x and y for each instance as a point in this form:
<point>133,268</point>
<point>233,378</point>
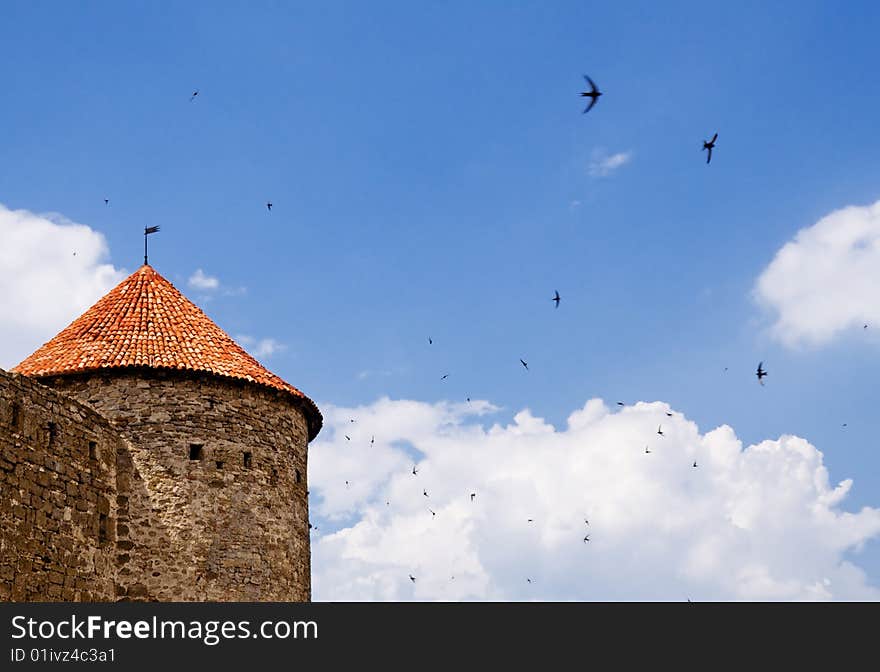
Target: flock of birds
<point>593,93</point>
<point>708,145</point>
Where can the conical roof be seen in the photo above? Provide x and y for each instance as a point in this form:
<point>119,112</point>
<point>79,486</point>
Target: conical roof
<point>146,322</point>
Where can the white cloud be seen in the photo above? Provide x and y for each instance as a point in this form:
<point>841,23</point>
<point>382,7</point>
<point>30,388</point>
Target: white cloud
<point>603,164</point>
<point>43,284</point>
<point>762,523</point>
<point>199,280</point>
<point>263,347</point>
<point>825,280</point>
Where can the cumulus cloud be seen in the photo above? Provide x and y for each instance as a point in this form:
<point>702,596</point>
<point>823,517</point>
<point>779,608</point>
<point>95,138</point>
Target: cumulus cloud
<point>200,280</point>
<point>51,270</point>
<point>824,281</point>
<point>262,347</point>
<point>603,164</point>
<point>757,523</point>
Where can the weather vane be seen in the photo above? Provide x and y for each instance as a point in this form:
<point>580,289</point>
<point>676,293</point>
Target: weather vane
<point>147,231</point>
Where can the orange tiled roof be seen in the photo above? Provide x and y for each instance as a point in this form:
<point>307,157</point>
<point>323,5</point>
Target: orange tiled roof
<point>146,321</point>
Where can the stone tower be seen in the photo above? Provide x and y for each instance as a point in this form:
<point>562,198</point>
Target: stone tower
<point>211,494</point>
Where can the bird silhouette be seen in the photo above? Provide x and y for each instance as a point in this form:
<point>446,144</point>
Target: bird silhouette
<point>347,484</point>
<point>473,494</point>
<point>432,513</point>
<point>710,145</point>
<point>586,538</point>
<point>106,201</point>
<point>556,299</point>
<point>695,464</point>
<point>586,522</point>
<point>660,430</point>
<point>444,377</point>
<point>372,440</point>
<point>620,403</point>
<point>195,93</point>
<point>761,372</point>
<point>646,450</point>
<point>425,492</point>
<point>347,437</point>
<point>524,364</point>
<point>430,342</point>
<point>415,471</point>
<point>268,206</point>
<point>593,94</point>
<point>529,580</point>
<point>530,520</point>
<point>412,578</point>
<point>669,415</point>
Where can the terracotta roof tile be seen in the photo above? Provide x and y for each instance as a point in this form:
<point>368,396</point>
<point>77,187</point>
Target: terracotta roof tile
<point>146,321</point>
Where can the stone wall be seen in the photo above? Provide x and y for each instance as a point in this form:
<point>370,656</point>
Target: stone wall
<point>58,503</point>
<point>213,497</point>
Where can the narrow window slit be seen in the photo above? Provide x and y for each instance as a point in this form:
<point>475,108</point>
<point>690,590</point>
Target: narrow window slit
<point>195,451</point>
<point>93,451</point>
<point>53,433</point>
<point>247,460</point>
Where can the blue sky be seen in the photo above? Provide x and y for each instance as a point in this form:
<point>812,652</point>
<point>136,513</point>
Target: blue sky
<point>429,167</point>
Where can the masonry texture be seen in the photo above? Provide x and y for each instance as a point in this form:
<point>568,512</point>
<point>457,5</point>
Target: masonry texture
<point>58,496</point>
<point>125,478</point>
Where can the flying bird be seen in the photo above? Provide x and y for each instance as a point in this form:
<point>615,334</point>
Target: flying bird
<point>556,299</point>
<point>346,484</point>
<point>761,372</point>
<point>430,342</point>
<point>415,471</point>
<point>586,538</point>
<point>530,520</point>
<point>444,377</point>
<point>195,93</point>
<point>106,201</point>
<point>372,440</point>
<point>586,522</point>
<point>593,94</point>
<point>695,464</point>
<point>347,437</point>
<point>646,450</point>
<point>669,415</point>
<point>620,403</point>
<point>524,364</point>
<point>424,492</point>
<point>432,513</point>
<point>473,494</point>
<point>710,145</point>
<point>268,206</point>
<point>660,430</point>
<point>529,580</point>
<point>412,578</point>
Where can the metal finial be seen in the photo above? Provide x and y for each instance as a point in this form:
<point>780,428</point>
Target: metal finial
<point>147,231</point>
